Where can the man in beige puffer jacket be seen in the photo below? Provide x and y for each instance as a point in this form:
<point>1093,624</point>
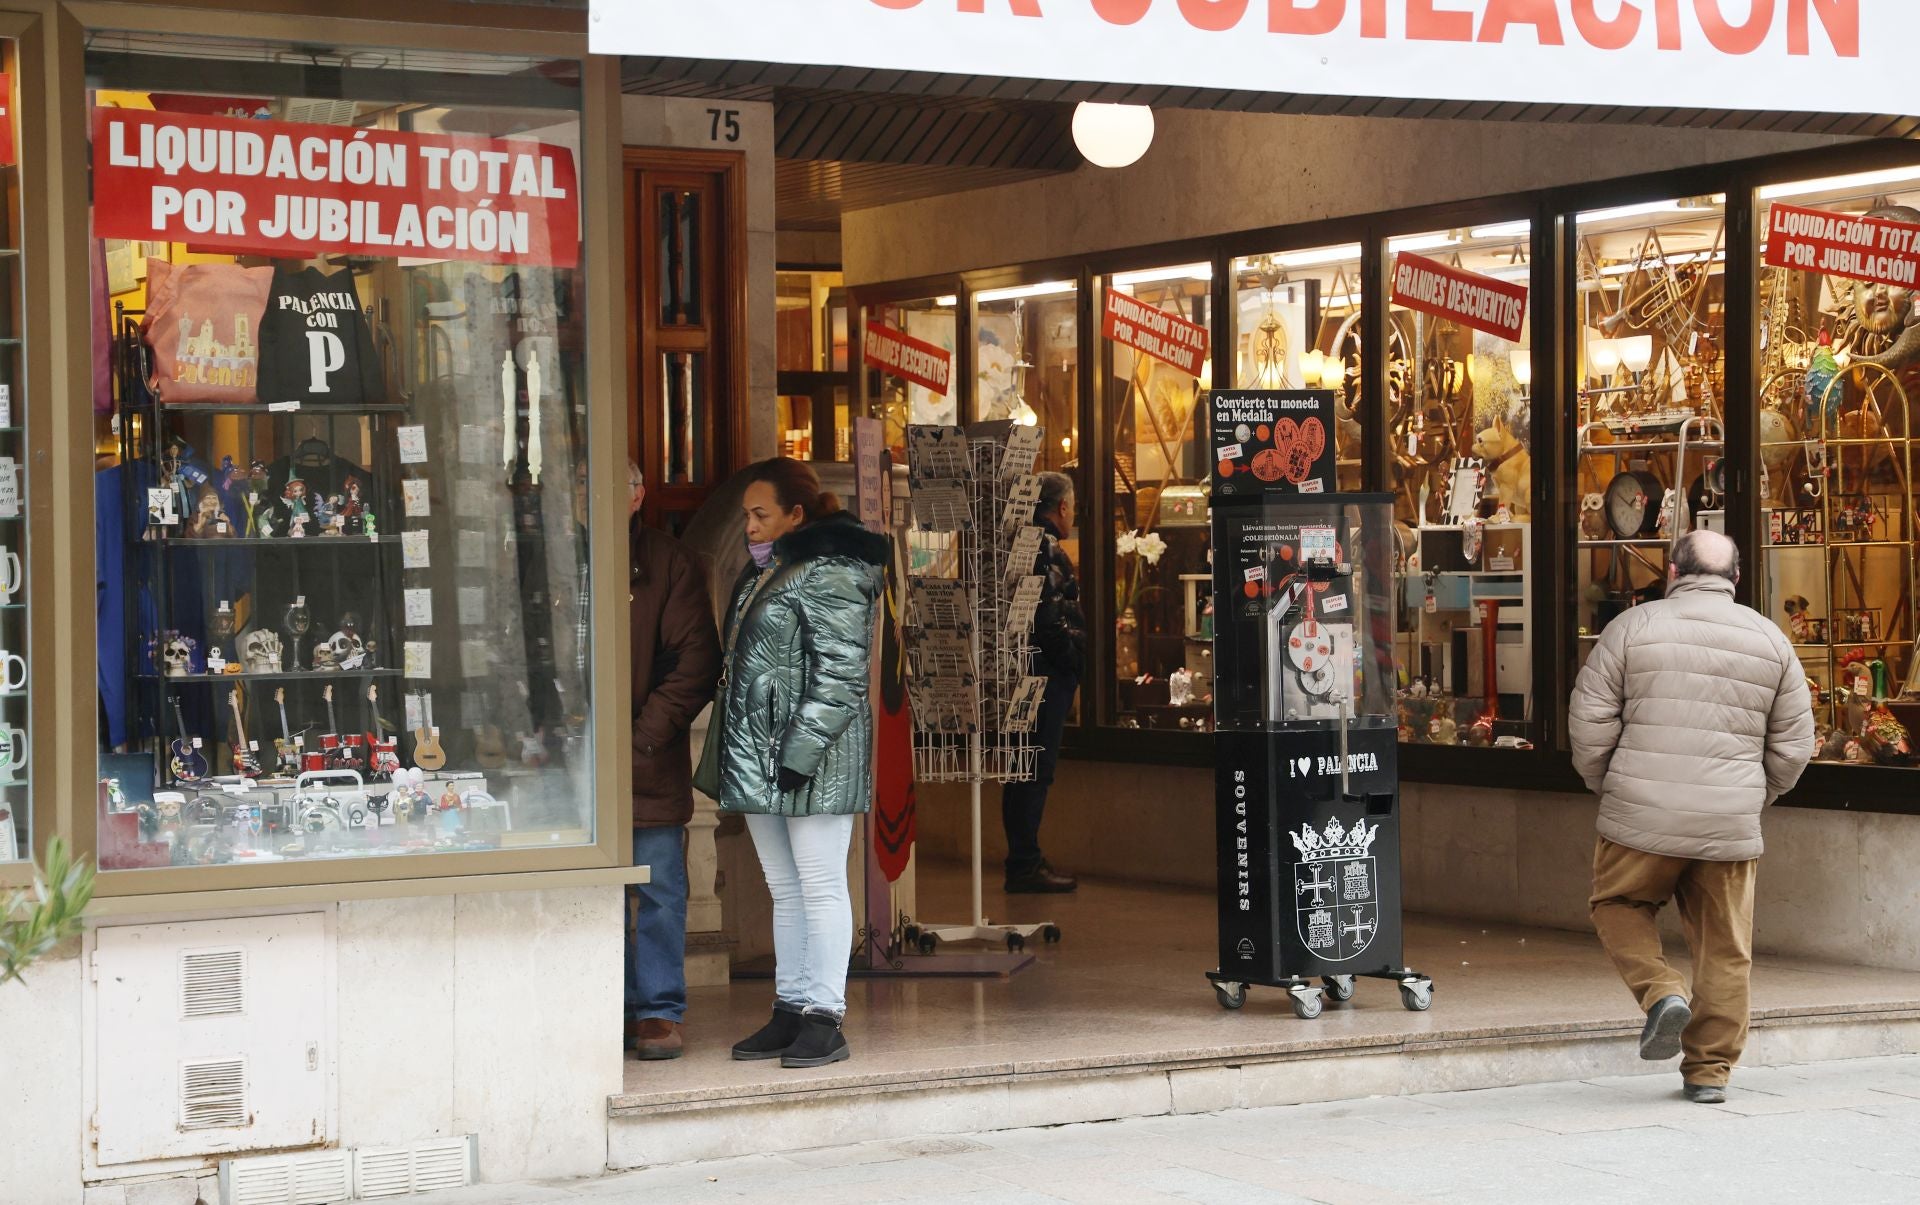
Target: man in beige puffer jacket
<point>1691,716</point>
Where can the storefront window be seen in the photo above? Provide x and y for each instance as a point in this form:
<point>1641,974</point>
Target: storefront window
<point>1027,363</point>
<point>1158,374</point>
<point>1647,430</point>
<point>1839,404</point>
<point>812,329</point>
<point>1297,325</point>
<point>343,526</point>
<point>16,835</point>
<point>900,403</point>
<point>1459,374</point>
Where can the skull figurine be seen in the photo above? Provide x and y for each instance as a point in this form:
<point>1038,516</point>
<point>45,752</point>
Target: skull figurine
<point>260,649</point>
<point>176,655</point>
<point>323,658</point>
<point>349,651</point>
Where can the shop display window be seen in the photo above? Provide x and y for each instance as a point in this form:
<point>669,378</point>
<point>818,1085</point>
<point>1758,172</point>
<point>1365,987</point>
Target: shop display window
<point>1459,414</point>
<point>1838,417</point>
<point>1156,405</point>
<point>341,502</point>
<point>16,832</point>
<point>1648,425</point>
<point>900,403</point>
<point>1298,322</point>
<point>812,328</point>
<point>1026,363</point>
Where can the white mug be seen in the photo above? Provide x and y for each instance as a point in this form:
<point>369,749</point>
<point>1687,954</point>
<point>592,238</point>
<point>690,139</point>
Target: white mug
<point>12,576</point>
<point>13,752</point>
<point>7,662</point>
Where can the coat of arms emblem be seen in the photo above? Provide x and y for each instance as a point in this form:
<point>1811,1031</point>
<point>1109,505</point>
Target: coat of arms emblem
<point>1336,889</point>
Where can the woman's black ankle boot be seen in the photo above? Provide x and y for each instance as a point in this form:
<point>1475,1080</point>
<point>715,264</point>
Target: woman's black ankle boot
<point>773,1038</point>
<point>820,1042</point>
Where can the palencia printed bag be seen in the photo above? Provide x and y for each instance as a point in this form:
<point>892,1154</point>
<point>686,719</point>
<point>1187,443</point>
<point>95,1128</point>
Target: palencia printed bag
<point>203,329</point>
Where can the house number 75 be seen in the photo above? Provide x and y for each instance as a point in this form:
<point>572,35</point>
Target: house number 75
<point>727,120</point>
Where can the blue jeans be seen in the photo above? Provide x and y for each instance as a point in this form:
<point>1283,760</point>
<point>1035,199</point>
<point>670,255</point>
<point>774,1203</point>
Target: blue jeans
<point>805,859</point>
<point>657,940</point>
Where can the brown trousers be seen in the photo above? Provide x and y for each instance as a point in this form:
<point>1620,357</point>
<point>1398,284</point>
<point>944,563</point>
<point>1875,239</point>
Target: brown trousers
<point>1715,900</point>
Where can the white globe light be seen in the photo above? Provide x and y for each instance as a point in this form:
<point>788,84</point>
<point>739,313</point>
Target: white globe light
<point>1112,135</point>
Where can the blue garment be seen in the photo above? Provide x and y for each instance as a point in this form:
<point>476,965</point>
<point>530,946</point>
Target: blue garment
<point>110,602</point>
<point>656,985</point>
<point>1023,804</point>
<point>805,861</point>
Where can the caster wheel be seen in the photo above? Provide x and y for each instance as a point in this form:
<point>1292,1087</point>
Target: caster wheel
<point>927,942</point>
<point>1306,1004</point>
<point>1050,934</point>
<point>1339,988</point>
<point>1015,943</point>
<point>1417,994</point>
<point>1230,995</point>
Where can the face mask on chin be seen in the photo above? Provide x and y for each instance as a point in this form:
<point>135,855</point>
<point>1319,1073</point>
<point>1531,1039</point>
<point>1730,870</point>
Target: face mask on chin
<point>762,554</point>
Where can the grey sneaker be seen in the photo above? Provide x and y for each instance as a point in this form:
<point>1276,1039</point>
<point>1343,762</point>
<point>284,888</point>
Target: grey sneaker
<point>1705,1094</point>
<point>1666,1021</point>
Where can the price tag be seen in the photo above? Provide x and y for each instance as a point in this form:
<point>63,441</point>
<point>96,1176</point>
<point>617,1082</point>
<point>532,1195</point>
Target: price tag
<point>419,606</point>
<point>415,494</point>
<point>419,659</point>
<point>413,445</point>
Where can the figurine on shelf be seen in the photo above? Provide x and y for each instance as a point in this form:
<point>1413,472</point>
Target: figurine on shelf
<point>1823,398</point>
<point>349,507</point>
<point>294,496</point>
<point>1442,730</point>
<point>1799,623</point>
<point>349,652</point>
<point>367,527</point>
<point>255,498</point>
<point>216,661</point>
<point>176,655</point>
<point>1885,738</point>
<point>261,651</point>
<point>209,518</point>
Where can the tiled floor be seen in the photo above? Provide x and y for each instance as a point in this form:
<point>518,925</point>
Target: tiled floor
<point>1125,988</point>
<point>1836,1131</point>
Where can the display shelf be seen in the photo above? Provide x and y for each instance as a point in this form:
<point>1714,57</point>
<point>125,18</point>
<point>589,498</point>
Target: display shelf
<point>288,675</point>
<point>274,541</point>
<point>302,411</point>
<point>1652,542</point>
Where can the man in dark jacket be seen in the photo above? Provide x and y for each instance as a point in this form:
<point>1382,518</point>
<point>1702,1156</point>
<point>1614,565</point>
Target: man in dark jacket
<point>676,663</point>
<point>1060,636</point>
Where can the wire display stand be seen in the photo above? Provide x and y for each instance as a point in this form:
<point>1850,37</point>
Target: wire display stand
<point>971,599</point>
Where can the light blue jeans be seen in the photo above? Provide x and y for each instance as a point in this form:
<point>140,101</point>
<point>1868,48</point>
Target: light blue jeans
<point>805,859</point>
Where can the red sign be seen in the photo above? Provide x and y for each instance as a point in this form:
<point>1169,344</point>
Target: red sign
<point>1844,244</point>
<point>6,120</point>
<point>1498,307</point>
<point>903,355</point>
<point>234,185</point>
<point>1152,331</point>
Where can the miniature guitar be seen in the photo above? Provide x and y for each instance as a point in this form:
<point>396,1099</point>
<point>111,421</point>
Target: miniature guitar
<point>246,762</point>
<point>384,751</point>
<point>489,747</point>
<point>427,753</point>
<point>286,747</point>
<point>184,759</point>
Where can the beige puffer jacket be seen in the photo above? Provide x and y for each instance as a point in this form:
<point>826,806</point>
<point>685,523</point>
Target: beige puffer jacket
<point>1691,716</point>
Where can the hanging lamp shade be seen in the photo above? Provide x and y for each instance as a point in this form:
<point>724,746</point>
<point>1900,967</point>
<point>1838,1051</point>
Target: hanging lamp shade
<point>1112,135</point>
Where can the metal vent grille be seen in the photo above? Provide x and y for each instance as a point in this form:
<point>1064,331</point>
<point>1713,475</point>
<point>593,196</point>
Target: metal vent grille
<point>212,983</point>
<point>259,1184</point>
<point>444,1164</point>
<point>322,1181</point>
<point>383,1173</point>
<point>213,1094</point>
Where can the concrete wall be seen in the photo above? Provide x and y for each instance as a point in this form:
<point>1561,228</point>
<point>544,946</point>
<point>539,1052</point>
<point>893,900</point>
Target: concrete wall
<point>667,121</point>
<point>1834,886</point>
<point>497,1014</point>
<point>1215,173</point>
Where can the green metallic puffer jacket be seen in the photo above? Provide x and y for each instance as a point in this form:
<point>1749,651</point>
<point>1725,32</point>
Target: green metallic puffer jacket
<point>796,671</point>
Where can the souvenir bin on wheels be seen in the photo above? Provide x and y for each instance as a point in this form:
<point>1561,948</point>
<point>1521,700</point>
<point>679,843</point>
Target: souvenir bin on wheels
<point>1307,785</point>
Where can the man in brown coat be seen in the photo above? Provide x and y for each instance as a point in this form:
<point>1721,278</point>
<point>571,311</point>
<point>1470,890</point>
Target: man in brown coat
<point>1690,717</point>
<point>676,663</point>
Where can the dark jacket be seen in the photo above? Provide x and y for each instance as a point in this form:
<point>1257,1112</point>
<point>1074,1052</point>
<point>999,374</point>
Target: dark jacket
<point>1059,625</point>
<point>797,670</point>
<point>676,661</point>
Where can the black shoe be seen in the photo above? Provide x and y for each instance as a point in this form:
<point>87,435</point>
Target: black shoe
<point>820,1042</point>
<point>773,1038</point>
<point>1041,880</point>
<point>1666,1021</point>
<point>1705,1094</point>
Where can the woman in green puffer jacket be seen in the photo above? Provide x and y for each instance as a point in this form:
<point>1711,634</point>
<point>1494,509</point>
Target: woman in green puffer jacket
<point>796,739</point>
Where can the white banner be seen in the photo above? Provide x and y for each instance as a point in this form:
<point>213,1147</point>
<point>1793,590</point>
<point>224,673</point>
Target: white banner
<point>1840,56</point>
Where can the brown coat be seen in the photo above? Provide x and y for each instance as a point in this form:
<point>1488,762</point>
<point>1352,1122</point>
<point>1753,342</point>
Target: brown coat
<point>676,662</point>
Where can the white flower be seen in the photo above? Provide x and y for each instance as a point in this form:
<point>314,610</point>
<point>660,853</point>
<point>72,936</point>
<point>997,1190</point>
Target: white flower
<point>1127,543</point>
<point>1151,547</point>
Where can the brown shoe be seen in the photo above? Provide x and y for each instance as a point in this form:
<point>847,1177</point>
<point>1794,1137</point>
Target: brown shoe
<point>658,1039</point>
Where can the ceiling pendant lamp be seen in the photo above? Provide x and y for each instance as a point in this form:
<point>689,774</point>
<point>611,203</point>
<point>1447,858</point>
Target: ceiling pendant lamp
<point>1112,135</point>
